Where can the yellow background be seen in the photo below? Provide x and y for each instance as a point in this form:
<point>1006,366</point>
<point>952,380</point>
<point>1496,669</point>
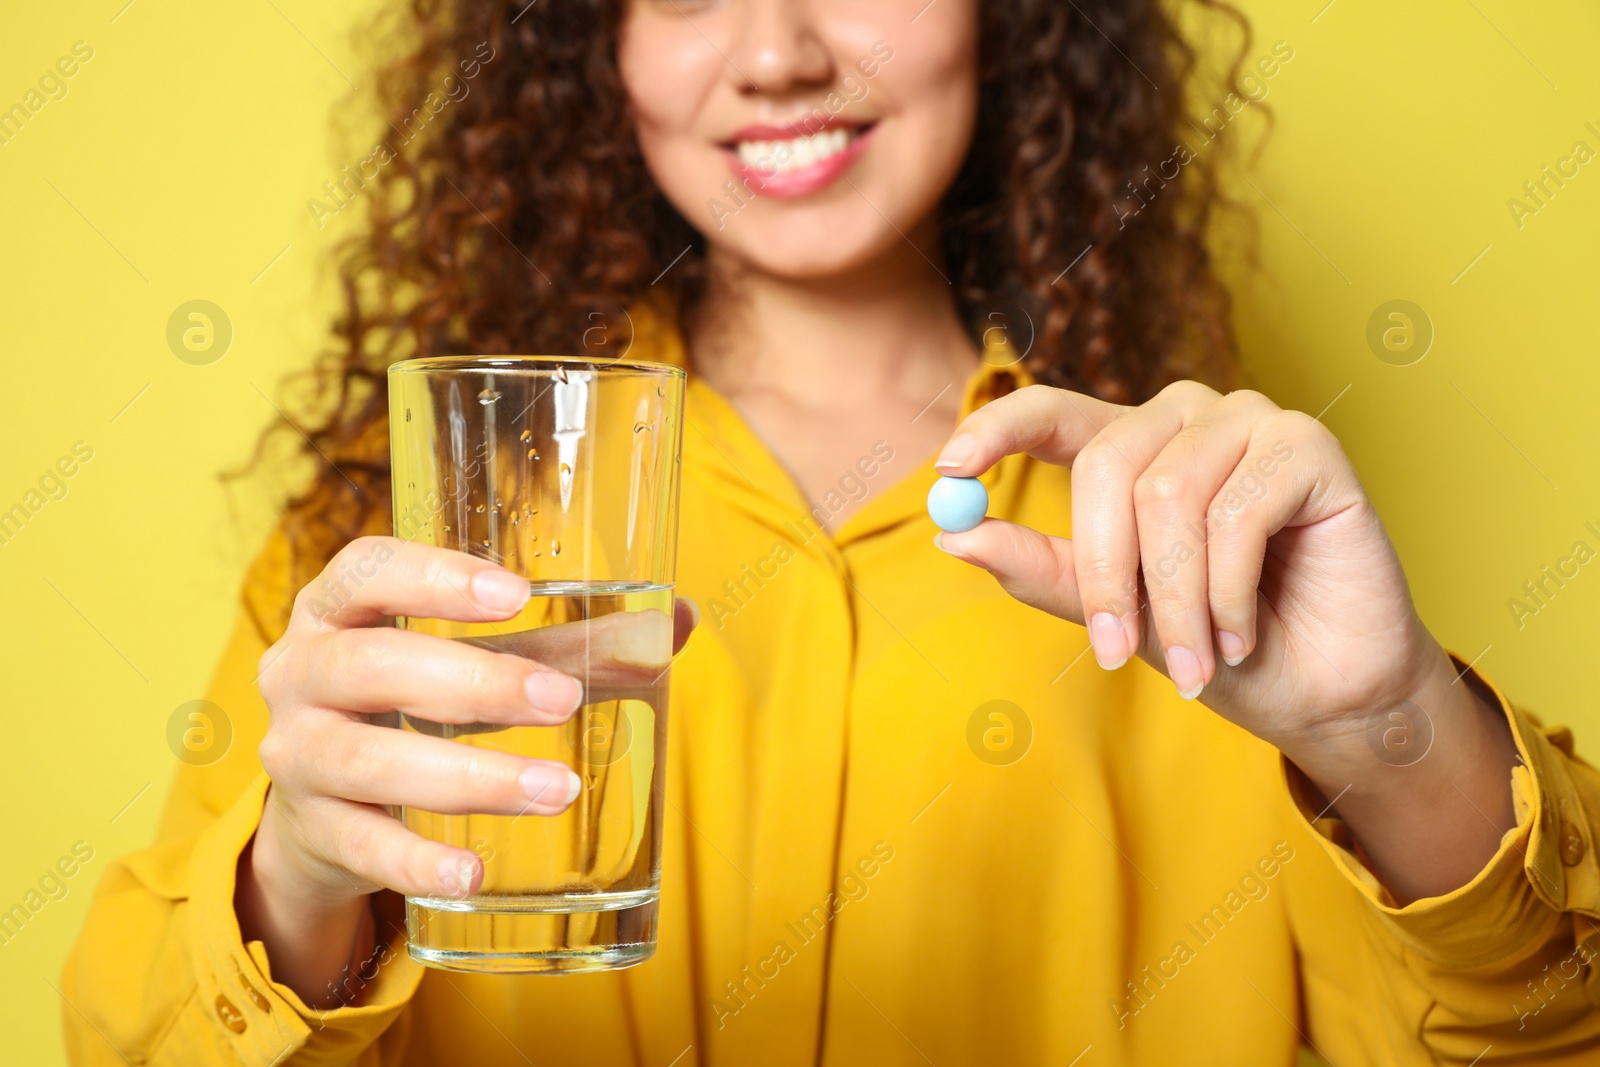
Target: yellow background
<point>178,167</point>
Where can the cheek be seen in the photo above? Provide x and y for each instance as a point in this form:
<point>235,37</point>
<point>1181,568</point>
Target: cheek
<point>934,74</point>
<point>941,60</point>
<point>654,51</point>
<point>931,91</point>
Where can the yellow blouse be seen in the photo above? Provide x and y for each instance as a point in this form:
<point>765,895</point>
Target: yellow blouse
<point>910,822</point>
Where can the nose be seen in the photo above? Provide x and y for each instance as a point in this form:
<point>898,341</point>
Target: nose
<point>780,48</point>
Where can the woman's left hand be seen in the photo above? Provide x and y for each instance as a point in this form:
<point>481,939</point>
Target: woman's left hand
<point>1226,541</point>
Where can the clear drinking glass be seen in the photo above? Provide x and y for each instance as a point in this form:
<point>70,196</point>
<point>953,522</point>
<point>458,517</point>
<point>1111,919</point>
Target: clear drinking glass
<point>565,470</point>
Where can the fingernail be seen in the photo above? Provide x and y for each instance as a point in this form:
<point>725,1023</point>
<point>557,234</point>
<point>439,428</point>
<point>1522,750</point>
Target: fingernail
<point>553,692</point>
<point>1232,646</point>
<point>500,590</point>
<point>543,782</point>
<point>1183,667</point>
<point>1109,640</point>
<point>455,876</point>
<point>957,451</point>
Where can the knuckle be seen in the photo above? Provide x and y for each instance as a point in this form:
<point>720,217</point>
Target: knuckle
<point>1226,599</point>
<point>1098,571</point>
<point>1250,400</point>
<point>275,753</point>
<point>1298,426</point>
<point>1226,516</point>
<point>272,672</point>
<point>356,657</point>
<point>1160,487</point>
<point>1036,394</point>
<point>1167,600</point>
<point>358,845</point>
<point>1189,391</point>
<point>487,783</point>
<point>360,548</point>
<point>308,601</point>
<point>1036,558</point>
<point>1099,464</point>
<point>487,672</point>
<point>362,758</point>
<point>433,570</point>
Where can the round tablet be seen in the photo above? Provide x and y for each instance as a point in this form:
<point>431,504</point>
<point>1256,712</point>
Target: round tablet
<point>957,504</point>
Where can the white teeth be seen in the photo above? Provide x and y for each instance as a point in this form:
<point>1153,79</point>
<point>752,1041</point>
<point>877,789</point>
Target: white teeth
<point>776,157</point>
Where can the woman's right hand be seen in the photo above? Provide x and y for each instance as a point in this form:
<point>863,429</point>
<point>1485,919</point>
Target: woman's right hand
<point>325,841</point>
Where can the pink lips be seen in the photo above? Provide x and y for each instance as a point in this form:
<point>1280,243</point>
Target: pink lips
<point>789,184</point>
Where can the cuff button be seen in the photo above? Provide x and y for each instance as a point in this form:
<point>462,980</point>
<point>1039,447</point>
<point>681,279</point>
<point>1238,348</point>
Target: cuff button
<point>1572,846</point>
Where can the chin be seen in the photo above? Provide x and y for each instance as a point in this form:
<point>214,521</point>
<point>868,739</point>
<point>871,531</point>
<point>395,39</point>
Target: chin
<point>807,246</point>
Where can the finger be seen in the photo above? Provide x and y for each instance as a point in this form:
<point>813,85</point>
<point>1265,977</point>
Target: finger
<point>1105,533</point>
<point>619,649</point>
<point>617,657</point>
<point>1293,474</point>
<point>1170,502</point>
<point>376,765</point>
<point>685,617</point>
<point>1034,568</point>
<point>374,669</point>
<point>627,644</point>
<point>375,578</point>
<point>1046,423</point>
<point>374,847</point>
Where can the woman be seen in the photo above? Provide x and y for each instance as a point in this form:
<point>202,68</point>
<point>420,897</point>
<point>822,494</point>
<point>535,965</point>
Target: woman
<point>876,232</point>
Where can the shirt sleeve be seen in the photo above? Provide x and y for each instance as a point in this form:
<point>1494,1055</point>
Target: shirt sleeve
<point>160,973</point>
<point>1502,969</point>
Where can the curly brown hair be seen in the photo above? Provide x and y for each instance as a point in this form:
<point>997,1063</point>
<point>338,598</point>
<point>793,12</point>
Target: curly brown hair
<point>504,220</point>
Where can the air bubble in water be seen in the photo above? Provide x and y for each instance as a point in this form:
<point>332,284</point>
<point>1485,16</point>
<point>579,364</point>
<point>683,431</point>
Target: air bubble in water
<point>527,435</point>
<point>408,414</point>
<point>555,548</point>
<point>640,427</point>
<point>488,396</point>
<point>533,453</point>
<point>479,509</point>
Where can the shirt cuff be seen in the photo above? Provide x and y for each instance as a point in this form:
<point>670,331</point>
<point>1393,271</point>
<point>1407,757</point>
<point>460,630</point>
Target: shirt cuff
<point>1545,865</point>
<point>264,1022</point>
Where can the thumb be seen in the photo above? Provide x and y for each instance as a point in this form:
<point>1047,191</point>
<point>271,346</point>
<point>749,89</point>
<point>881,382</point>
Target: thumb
<point>1034,568</point>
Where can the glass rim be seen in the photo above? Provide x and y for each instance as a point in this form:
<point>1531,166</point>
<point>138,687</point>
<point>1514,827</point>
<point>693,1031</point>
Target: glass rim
<point>529,364</point>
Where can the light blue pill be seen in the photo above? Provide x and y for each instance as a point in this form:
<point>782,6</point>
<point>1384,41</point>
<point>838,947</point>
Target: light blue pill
<point>957,504</point>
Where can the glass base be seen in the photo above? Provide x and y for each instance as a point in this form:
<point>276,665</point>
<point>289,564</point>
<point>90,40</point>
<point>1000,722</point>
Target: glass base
<point>547,934</point>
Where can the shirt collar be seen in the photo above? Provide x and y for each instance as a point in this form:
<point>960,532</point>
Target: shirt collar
<point>719,445</point>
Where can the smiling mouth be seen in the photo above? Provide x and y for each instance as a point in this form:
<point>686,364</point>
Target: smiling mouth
<point>795,160</point>
<point>797,153</point>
